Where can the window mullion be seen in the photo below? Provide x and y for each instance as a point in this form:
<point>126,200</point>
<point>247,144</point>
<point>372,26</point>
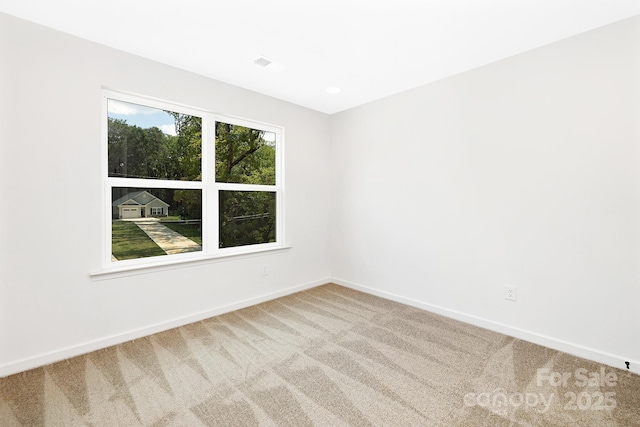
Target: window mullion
<point>210,202</point>
<point>154,183</point>
<point>246,187</point>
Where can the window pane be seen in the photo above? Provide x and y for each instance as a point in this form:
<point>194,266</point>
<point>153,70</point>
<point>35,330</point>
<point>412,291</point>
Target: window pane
<point>245,155</point>
<point>147,142</point>
<point>247,218</point>
<point>150,222</point>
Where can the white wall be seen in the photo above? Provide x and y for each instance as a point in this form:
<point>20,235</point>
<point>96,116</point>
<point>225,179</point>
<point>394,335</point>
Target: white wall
<point>523,172</point>
<point>50,112</point>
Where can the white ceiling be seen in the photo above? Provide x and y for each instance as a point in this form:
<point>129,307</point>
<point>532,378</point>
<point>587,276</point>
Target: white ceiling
<point>367,48</point>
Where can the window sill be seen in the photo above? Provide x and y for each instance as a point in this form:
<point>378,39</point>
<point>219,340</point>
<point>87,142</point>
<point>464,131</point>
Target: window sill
<point>164,264</point>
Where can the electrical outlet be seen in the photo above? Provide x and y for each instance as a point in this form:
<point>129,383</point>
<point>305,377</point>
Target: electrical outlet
<point>265,270</point>
<point>510,293</point>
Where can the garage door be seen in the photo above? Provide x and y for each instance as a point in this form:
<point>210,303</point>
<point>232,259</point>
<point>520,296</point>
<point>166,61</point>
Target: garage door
<point>130,213</point>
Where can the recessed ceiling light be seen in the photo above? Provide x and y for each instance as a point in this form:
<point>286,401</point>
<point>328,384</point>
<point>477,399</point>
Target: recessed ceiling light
<point>333,90</point>
<point>262,61</point>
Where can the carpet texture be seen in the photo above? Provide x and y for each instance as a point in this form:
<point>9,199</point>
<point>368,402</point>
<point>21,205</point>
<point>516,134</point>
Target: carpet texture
<point>329,356</point>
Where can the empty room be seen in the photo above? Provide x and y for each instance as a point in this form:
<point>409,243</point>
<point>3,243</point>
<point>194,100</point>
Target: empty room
<point>330,213</point>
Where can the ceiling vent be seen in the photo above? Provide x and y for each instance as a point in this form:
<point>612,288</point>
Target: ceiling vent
<point>262,61</point>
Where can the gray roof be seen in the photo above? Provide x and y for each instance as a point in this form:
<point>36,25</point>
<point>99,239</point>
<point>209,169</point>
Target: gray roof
<point>138,198</point>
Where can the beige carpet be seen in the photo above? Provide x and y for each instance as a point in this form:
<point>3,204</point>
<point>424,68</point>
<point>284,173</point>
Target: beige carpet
<point>329,356</point>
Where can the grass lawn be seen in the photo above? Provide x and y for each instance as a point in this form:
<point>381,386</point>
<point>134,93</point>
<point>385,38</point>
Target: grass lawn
<point>128,241</point>
<point>190,231</point>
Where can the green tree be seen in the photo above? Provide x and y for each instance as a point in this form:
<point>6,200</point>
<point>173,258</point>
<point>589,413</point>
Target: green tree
<point>244,156</point>
<point>246,217</point>
<point>187,147</point>
<point>136,152</point>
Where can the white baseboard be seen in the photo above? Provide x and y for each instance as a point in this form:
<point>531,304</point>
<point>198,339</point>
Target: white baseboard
<point>77,350</point>
<point>592,354</point>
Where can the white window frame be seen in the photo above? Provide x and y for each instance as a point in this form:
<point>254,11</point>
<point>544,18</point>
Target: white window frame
<point>208,185</point>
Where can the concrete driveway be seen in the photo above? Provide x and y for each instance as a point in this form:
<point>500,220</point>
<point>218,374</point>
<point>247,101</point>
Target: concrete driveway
<point>170,241</point>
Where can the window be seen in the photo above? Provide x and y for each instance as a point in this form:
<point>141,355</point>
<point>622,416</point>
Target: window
<point>183,183</point>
